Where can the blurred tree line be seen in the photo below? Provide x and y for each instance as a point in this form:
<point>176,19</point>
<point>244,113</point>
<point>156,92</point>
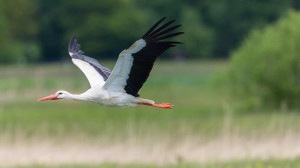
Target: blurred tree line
<point>264,71</point>
<point>39,30</point>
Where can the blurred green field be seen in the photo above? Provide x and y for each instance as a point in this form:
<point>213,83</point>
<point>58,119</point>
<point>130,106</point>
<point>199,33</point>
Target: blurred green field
<point>200,106</point>
<point>202,112</point>
<point>186,85</point>
<point>243,164</point>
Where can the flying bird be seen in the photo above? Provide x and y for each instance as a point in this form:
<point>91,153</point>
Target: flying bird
<point>120,86</point>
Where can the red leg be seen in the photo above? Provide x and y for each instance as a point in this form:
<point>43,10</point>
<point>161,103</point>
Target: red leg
<point>163,105</point>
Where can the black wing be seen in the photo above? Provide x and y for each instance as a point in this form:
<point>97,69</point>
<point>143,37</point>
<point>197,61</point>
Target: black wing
<point>145,58</point>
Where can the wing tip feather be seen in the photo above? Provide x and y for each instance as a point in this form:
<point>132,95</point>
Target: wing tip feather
<point>153,27</point>
<point>155,33</point>
<point>74,46</point>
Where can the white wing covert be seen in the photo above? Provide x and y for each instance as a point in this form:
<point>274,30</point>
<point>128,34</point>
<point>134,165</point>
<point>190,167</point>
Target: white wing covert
<point>92,69</point>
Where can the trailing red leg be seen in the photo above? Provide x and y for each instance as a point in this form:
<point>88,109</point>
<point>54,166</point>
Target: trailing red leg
<point>163,105</point>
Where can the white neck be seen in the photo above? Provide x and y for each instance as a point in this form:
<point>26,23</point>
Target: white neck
<point>91,95</point>
<point>80,97</point>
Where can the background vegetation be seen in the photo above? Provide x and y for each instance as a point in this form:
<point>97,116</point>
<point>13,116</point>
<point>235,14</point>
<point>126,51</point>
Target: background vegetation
<point>39,30</point>
<point>265,69</point>
<point>235,85</point>
<point>204,128</point>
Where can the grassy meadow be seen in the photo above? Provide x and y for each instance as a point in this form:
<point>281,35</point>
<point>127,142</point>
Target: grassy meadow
<point>205,128</point>
<point>244,164</point>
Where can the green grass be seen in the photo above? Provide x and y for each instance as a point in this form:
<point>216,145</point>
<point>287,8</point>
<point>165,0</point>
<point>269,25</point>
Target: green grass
<point>200,108</point>
<point>187,88</point>
<point>202,112</point>
<point>241,164</point>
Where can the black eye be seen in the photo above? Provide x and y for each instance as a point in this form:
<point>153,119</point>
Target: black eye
<point>60,93</point>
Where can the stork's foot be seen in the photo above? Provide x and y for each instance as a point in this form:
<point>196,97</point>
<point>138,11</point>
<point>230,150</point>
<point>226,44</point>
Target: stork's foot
<point>163,105</point>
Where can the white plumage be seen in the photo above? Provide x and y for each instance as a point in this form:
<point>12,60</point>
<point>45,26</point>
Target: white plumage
<point>91,74</point>
<point>120,73</point>
<point>120,87</point>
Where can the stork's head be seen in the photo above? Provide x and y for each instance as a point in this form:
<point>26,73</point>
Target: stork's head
<point>58,95</point>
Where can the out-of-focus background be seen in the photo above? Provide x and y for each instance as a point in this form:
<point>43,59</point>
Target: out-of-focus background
<point>235,84</point>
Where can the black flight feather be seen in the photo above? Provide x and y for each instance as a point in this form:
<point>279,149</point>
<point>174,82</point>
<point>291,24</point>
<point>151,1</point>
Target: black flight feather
<point>161,28</point>
<point>144,59</point>
<point>154,26</point>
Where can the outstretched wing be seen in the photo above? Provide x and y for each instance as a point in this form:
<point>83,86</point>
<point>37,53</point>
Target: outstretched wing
<point>92,69</point>
<point>135,63</point>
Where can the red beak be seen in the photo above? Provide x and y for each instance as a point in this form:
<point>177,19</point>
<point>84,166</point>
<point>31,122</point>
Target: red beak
<point>51,97</point>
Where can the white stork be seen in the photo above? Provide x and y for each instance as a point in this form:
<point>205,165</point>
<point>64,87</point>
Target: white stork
<point>120,87</point>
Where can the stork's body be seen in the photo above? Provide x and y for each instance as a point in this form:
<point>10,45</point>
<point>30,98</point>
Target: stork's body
<point>120,87</point>
<point>98,95</point>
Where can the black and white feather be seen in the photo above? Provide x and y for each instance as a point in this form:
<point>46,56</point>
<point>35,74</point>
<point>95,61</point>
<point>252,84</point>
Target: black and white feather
<point>120,87</point>
<point>135,63</point>
<point>93,70</point>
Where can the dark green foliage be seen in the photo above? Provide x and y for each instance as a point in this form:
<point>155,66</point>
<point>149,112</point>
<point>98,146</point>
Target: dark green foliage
<point>198,38</point>
<point>21,18</point>
<point>9,50</point>
<point>105,28</point>
<point>18,31</point>
<point>233,19</point>
<point>19,53</point>
<point>51,32</point>
<point>266,69</point>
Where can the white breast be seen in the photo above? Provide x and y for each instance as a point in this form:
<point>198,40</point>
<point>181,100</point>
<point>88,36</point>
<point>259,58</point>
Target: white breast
<point>98,95</point>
